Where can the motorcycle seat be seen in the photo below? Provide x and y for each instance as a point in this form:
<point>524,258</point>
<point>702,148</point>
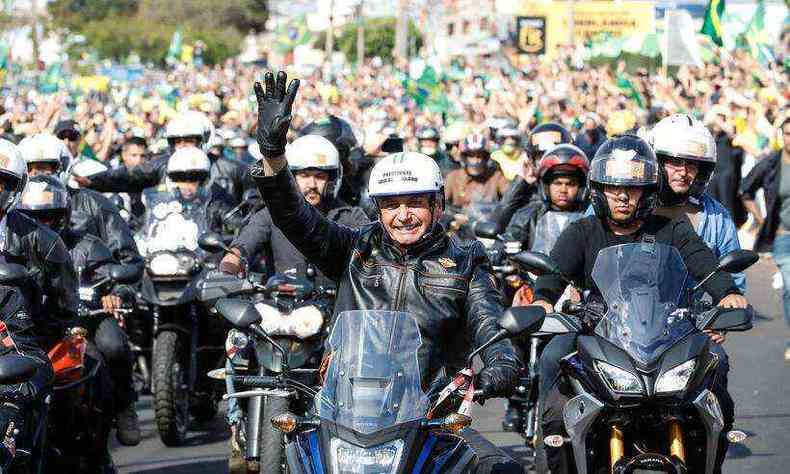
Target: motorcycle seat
<point>15,368</point>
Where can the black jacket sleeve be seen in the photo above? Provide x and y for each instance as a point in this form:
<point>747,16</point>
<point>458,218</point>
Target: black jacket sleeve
<point>135,180</point>
<point>756,177</point>
<point>254,235</point>
<point>324,243</point>
<point>114,231</point>
<point>59,282</point>
<point>517,196</point>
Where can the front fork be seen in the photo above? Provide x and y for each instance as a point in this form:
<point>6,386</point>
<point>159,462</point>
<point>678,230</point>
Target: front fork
<point>531,419</point>
<point>617,443</point>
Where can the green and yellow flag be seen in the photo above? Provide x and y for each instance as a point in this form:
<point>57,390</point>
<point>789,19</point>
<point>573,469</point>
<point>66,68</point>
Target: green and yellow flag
<point>712,24</point>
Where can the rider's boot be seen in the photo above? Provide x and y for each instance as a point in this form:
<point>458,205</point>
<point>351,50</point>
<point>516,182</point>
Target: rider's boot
<point>514,420</point>
<point>128,433</point>
<point>236,462</point>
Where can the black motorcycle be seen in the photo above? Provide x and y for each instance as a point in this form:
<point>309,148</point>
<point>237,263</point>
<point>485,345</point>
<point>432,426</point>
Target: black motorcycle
<point>642,378</point>
<point>293,313</point>
<point>187,339</point>
<point>372,414</point>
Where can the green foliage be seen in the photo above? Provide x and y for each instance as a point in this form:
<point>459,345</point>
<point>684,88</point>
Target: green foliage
<point>116,28</point>
<point>379,38</point>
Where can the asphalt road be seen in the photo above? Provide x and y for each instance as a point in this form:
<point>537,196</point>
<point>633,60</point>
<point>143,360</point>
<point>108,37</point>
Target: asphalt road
<point>759,382</point>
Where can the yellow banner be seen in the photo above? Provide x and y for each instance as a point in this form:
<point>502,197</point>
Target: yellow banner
<point>91,83</point>
<point>590,18</point>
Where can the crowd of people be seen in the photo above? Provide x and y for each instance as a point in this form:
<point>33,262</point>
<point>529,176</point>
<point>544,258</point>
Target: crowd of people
<point>511,145</point>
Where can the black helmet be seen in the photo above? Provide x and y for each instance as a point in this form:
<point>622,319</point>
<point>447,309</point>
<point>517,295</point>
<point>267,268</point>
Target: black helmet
<point>563,160</point>
<point>337,131</point>
<point>545,136</point>
<point>47,201</point>
<point>625,160</point>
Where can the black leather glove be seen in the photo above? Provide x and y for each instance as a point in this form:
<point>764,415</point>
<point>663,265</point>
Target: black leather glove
<point>498,380</point>
<point>274,113</point>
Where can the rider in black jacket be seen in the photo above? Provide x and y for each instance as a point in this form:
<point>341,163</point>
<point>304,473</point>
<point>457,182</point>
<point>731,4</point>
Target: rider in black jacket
<point>91,212</point>
<point>403,262</point>
<point>33,314</point>
<point>624,186</point>
<point>47,201</point>
<point>315,163</point>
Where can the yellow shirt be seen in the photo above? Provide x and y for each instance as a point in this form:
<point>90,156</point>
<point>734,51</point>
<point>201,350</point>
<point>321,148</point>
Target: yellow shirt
<point>510,166</point>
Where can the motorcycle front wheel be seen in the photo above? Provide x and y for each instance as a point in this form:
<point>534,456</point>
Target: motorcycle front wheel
<point>171,393</point>
<point>272,439</point>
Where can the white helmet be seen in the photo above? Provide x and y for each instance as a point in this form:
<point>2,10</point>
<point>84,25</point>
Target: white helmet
<point>45,148</point>
<point>13,169</point>
<point>183,126</point>
<point>405,173</point>
<point>207,127</point>
<point>191,163</point>
<point>682,136</point>
<point>315,152</point>
<point>84,167</point>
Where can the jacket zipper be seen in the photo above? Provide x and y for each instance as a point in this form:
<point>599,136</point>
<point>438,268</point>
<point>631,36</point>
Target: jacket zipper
<point>399,291</point>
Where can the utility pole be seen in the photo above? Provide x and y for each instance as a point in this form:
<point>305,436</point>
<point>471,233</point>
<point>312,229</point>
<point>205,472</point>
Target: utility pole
<point>360,34</point>
<point>402,30</point>
<point>330,33</point>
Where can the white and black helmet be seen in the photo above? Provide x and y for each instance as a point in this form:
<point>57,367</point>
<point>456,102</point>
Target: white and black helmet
<point>684,137</point>
<point>318,153</point>
<point>45,148</point>
<point>188,164</point>
<point>189,124</point>
<point>13,170</point>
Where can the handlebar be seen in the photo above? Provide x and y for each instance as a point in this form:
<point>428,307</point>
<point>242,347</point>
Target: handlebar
<point>262,381</point>
<point>96,312</point>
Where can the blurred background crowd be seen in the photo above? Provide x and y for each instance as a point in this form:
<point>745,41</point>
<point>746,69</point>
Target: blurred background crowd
<point>458,66</point>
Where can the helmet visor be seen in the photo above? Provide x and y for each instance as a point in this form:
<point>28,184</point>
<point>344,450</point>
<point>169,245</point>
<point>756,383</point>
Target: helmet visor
<point>188,176</point>
<point>624,168</point>
<point>44,200</point>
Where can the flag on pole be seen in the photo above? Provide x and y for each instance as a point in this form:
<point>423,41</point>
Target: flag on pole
<point>712,23</point>
<point>174,53</point>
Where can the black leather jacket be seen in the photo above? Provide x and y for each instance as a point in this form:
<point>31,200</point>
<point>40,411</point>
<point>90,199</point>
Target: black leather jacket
<point>518,194</point>
<point>261,235</point>
<point>94,214</point>
<point>447,286</point>
<point>53,297</point>
<point>230,175</point>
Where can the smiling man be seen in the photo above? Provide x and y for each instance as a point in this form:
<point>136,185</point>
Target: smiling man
<point>402,262</point>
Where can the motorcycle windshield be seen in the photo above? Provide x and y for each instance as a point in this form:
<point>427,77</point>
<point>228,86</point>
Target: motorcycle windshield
<point>373,379</point>
<point>172,223</point>
<point>549,228</point>
<point>642,284</point>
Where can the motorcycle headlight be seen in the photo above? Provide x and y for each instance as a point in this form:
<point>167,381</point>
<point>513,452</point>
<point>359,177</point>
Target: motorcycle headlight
<point>302,322</point>
<point>87,293</point>
<point>166,264</point>
<point>619,380</point>
<point>350,459</point>
<point>677,378</point>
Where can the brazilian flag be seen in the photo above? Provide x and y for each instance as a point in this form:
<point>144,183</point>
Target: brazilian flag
<point>712,24</point>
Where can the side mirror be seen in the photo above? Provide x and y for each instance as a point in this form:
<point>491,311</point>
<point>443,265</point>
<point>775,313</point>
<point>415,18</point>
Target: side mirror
<point>11,273</point>
<point>536,262</point>
<point>241,314</point>
<point>731,320</point>
<point>522,320</point>
<point>126,273</point>
<point>486,230</point>
<point>738,261</point>
<point>212,242</point>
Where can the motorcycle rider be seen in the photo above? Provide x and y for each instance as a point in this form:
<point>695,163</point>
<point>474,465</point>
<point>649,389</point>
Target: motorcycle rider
<point>32,316</point>
<point>184,130</point>
<point>479,181</point>
<point>389,263</point>
<point>562,186</point>
<point>509,156</point>
<point>523,188</point>
<point>91,212</point>
<point>686,153</point>
<point>428,144</point>
<point>188,174</point>
<point>47,201</point>
<point>315,164</point>
<point>623,184</point>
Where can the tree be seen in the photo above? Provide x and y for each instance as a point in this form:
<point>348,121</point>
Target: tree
<point>115,28</point>
<point>379,38</point>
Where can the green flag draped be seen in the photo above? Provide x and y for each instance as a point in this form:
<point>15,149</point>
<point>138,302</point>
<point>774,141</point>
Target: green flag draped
<point>755,38</point>
<point>712,24</point>
<point>628,89</point>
